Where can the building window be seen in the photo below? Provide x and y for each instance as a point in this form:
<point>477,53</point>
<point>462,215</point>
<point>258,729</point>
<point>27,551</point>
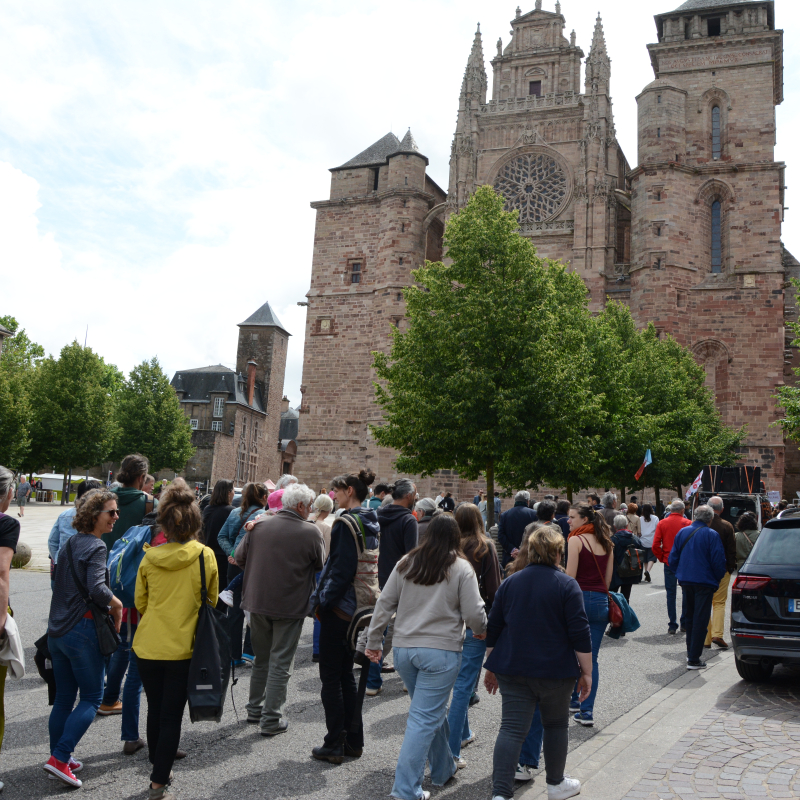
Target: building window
<point>716,236</point>
<point>659,99</point>
<point>217,426</point>
<point>232,428</point>
<point>658,196</point>
<point>253,337</point>
<point>219,406</point>
<point>401,261</point>
<point>658,230</point>
<point>355,272</point>
<point>535,88</point>
<point>715,27</point>
<point>399,296</point>
<point>376,173</point>
<point>402,227</point>
<point>658,133</point>
<point>193,424</point>
<point>716,137</point>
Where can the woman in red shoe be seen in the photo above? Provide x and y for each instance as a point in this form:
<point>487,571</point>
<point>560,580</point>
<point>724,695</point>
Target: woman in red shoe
<point>78,664</point>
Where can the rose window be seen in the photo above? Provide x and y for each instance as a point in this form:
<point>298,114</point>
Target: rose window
<point>535,184</point>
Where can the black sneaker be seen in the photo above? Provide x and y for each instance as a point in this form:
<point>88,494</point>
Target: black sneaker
<point>315,658</point>
<point>696,665</point>
<point>672,631</point>
<point>474,700</point>
<point>682,629</point>
<point>647,577</point>
<point>333,755</point>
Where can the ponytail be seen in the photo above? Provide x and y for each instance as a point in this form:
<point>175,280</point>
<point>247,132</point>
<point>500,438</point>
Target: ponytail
<point>601,529</point>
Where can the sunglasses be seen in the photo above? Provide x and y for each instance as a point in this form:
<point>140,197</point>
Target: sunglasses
<point>114,513</point>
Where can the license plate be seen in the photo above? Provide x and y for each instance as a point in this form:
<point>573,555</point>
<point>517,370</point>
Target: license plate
<point>794,607</point>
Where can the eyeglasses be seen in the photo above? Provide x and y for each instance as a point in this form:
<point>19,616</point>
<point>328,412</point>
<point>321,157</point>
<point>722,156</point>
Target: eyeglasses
<point>113,512</point>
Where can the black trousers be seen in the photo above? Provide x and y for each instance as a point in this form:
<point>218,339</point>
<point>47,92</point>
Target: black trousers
<point>339,691</point>
<point>624,589</point>
<point>697,599</point>
<point>166,685</point>
<point>236,619</point>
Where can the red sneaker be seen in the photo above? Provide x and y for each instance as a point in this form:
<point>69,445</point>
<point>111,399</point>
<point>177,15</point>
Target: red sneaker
<point>62,771</point>
<point>75,766</point>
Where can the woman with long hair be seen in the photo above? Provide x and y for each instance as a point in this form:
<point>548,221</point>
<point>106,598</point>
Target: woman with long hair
<point>168,596</point>
<point>480,553</point>
<point>647,525</point>
<point>215,515</point>
<point>747,533</point>
<point>254,498</point>
<point>434,592</point>
<point>589,561</point>
<point>323,519</point>
<point>72,639</point>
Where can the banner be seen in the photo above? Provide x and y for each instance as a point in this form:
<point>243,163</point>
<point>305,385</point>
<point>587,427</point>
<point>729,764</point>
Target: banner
<point>695,486</point>
<point>648,459</point>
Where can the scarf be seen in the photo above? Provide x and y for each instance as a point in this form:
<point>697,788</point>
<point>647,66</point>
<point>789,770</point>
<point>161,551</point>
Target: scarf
<point>587,528</point>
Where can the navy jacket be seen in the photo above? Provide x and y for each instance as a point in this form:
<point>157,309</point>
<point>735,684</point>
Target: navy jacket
<point>511,527</point>
<point>700,559</point>
<point>398,537</point>
<point>537,624</point>
<point>622,541</point>
<point>563,522</point>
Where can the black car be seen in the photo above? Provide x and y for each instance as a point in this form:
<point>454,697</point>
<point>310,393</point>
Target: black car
<point>765,605</point>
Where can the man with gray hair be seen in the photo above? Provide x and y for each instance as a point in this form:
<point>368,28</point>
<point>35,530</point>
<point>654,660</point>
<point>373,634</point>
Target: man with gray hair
<point>663,539</point>
<point>399,536</point>
<point>716,625</point>
<point>285,481</point>
<point>610,508</point>
<point>697,558</point>
<point>280,557</point>
<point>511,525</point>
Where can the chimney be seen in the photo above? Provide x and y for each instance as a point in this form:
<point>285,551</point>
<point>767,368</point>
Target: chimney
<point>251,381</point>
<point>284,404</point>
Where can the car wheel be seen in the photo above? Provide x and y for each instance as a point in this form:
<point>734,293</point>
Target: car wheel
<point>754,672</point>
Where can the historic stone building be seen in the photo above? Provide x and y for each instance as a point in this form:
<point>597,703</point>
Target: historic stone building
<point>690,238</point>
<point>236,414</point>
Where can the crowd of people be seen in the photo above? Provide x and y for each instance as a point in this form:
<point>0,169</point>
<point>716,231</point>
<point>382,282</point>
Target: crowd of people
<point>380,572</point>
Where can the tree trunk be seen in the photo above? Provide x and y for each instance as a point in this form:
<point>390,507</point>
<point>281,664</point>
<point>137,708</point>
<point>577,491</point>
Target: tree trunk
<point>569,493</point>
<point>489,496</point>
<point>657,491</point>
<point>622,495</point>
<point>64,489</point>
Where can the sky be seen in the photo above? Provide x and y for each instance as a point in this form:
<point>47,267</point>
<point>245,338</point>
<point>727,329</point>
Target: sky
<point>157,160</point>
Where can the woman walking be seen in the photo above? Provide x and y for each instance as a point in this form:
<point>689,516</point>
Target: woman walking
<point>168,591</point>
<point>647,525</point>
<point>746,535</point>
<point>633,519</point>
<point>78,664</point>
<point>623,538</point>
<point>215,515</point>
<point>434,591</point>
<point>479,551</point>
<point>323,519</point>
<point>589,561</point>
<point>538,643</point>
<point>254,498</point>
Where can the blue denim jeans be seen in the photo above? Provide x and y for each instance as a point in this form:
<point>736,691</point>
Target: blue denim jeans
<point>78,665</point>
<point>121,661</point>
<point>596,605</point>
<point>458,716</point>
<point>315,637</point>
<point>429,675</point>
<point>532,746</point>
<point>374,676</point>
<point>671,584</point>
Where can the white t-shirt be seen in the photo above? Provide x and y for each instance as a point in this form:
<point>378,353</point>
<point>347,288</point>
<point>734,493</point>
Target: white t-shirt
<point>648,530</point>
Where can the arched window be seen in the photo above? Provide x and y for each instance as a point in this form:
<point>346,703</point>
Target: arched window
<point>716,236</point>
<point>716,137</point>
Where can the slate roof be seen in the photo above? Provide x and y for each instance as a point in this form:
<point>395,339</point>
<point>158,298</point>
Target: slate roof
<point>377,154</point>
<point>290,422</point>
<point>265,317</point>
<point>199,384</point>
<point>691,5</point>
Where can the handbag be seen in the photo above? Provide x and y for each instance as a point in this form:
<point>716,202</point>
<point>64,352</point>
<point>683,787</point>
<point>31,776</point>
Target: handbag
<point>615,616</point>
<point>107,636</point>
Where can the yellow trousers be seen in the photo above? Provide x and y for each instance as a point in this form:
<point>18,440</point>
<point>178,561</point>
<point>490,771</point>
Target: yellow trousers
<point>716,625</point>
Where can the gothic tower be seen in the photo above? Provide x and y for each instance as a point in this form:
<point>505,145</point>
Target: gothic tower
<point>707,201</point>
<point>550,150</point>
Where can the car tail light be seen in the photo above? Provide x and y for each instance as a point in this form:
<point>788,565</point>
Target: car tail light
<point>749,583</point>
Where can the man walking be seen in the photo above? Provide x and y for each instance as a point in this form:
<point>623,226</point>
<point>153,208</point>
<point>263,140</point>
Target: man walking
<point>511,525</point>
<point>698,559</point>
<point>280,557</point>
<point>716,625</point>
<point>399,535</point>
<point>610,508</point>
<point>23,493</point>
<point>666,531</point>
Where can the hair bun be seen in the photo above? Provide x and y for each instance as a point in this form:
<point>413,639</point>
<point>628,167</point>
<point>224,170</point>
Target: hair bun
<point>366,476</point>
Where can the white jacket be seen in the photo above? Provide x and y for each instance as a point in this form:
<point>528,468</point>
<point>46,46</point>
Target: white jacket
<point>11,653</point>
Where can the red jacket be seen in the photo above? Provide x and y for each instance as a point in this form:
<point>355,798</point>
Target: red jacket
<point>666,531</point>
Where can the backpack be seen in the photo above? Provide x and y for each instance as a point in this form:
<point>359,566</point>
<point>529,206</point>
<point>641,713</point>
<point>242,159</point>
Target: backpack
<point>365,581</point>
<point>210,667</point>
<point>632,563</point>
<point>123,562</point>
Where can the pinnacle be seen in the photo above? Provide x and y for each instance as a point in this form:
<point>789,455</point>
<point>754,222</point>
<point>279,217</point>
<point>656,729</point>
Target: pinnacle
<point>408,143</point>
<point>599,39</point>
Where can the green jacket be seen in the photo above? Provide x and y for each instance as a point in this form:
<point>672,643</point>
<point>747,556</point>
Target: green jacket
<point>131,504</point>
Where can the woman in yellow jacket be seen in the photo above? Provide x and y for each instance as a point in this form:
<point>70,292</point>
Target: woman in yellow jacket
<point>168,597</point>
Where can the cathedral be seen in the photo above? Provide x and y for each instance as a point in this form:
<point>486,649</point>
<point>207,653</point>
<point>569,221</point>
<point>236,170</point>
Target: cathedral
<point>689,238</point>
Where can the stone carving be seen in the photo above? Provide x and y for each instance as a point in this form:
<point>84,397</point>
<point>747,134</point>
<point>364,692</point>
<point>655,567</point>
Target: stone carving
<point>499,46</point>
<point>535,184</point>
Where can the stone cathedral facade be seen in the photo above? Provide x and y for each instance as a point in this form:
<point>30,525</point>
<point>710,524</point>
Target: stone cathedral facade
<point>689,238</point>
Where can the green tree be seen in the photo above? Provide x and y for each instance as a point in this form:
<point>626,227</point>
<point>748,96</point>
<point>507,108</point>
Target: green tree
<point>72,419</point>
<point>789,396</point>
<point>17,363</point>
<point>492,375</point>
<point>150,420</point>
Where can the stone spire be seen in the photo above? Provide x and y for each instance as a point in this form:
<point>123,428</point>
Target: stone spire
<point>475,81</point>
<point>598,64</point>
<point>408,144</point>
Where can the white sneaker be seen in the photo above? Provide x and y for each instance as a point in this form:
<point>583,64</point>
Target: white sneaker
<point>426,795</point>
<point>373,692</point>
<point>469,740</point>
<point>524,773</point>
<point>500,797</point>
<point>226,595</point>
<point>461,762</point>
<point>569,787</point>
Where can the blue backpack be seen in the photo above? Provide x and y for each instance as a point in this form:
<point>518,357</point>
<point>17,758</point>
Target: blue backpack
<point>123,562</point>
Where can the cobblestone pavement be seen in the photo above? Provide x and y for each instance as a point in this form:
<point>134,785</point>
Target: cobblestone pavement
<point>747,746</point>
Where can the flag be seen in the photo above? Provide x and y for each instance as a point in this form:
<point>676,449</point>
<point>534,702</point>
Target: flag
<point>695,486</point>
<point>648,459</point>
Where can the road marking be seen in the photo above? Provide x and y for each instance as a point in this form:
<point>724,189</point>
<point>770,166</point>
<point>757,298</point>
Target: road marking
<point>660,591</point>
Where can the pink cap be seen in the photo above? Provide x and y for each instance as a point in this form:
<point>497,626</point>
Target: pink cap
<point>274,501</point>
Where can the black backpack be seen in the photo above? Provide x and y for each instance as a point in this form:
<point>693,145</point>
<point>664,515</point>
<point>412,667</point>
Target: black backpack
<point>632,562</point>
<point>210,669</point>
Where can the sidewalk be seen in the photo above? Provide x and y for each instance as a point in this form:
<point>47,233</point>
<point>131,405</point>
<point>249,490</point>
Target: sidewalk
<point>708,734</point>
<point>35,527</point>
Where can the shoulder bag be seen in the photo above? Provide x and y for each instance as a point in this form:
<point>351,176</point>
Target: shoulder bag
<point>107,636</point>
<point>614,611</point>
